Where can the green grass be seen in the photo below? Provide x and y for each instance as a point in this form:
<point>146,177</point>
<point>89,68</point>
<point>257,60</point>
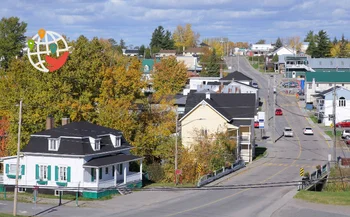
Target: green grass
<point>260,152</point>
<point>330,133</point>
<point>167,184</point>
<point>314,119</point>
<point>8,215</point>
<point>334,198</point>
<point>28,197</point>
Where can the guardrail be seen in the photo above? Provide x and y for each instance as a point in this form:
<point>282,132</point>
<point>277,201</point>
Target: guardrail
<point>206,179</point>
<point>315,177</point>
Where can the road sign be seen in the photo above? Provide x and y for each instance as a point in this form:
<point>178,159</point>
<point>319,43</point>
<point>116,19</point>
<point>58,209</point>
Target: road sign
<point>199,168</point>
<point>261,116</point>
<point>36,187</point>
<point>178,172</point>
<point>261,125</point>
<point>301,172</point>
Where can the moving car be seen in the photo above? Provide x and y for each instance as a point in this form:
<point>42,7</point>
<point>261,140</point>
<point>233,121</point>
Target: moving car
<point>288,132</point>
<point>345,134</point>
<point>344,123</point>
<point>256,124</point>
<point>308,131</point>
<point>278,112</point>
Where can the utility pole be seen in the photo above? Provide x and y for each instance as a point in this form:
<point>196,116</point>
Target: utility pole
<point>274,109</point>
<point>334,127</point>
<point>176,151</point>
<point>17,165</point>
<point>237,62</point>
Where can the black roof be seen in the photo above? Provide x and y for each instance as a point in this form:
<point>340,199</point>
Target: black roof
<point>241,122</point>
<point>80,145</point>
<point>237,76</point>
<point>110,160</point>
<point>230,105</point>
<point>326,91</point>
<point>132,51</point>
<point>217,83</point>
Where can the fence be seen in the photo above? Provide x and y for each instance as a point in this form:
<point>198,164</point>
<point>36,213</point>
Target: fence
<point>314,178</point>
<point>220,173</point>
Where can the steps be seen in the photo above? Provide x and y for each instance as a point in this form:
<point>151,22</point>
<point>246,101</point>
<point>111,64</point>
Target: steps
<point>124,190</point>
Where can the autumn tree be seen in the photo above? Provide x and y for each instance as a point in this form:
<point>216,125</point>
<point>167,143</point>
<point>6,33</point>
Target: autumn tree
<point>295,43</point>
<point>261,41</point>
<point>12,39</point>
<point>221,45</point>
<point>185,37</point>
<point>169,76</point>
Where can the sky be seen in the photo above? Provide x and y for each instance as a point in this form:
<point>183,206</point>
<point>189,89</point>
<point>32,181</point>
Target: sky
<point>135,20</point>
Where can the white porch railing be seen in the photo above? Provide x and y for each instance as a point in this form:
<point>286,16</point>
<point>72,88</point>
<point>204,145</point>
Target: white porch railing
<point>133,177</point>
<point>245,138</point>
<point>1,178</point>
<point>106,184</point>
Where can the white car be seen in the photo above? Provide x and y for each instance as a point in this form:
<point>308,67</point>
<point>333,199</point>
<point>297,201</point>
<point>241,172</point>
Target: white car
<point>308,131</point>
<point>288,132</point>
<point>254,84</point>
<point>345,134</point>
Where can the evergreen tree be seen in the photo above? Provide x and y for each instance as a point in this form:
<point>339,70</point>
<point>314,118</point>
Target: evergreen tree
<point>275,58</point>
<point>311,48</point>
<point>122,44</point>
<point>309,36</point>
<point>343,47</point>
<point>335,41</point>
<point>142,50</point>
<point>323,45</point>
<point>278,43</point>
<point>212,68</point>
<point>161,40</point>
<point>12,39</point>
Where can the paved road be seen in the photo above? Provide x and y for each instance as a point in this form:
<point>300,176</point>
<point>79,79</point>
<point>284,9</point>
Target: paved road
<point>282,164</point>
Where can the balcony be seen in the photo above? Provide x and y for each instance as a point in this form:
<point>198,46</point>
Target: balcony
<point>244,139</point>
<point>130,178</point>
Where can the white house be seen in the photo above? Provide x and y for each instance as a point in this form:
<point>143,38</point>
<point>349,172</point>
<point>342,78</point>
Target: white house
<point>325,105</point>
<point>216,112</point>
<point>76,157</point>
<point>283,51</point>
<point>166,53</point>
<point>194,51</point>
<point>316,82</point>
<point>261,49</point>
<point>130,52</point>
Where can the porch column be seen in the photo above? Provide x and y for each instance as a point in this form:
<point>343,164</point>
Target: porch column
<point>115,175</point>
<point>124,168</point>
<point>97,176</point>
<point>141,169</point>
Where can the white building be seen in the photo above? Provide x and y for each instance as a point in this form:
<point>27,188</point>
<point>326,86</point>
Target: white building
<point>261,49</point>
<point>325,105</point>
<point>190,62</point>
<point>76,157</point>
<point>166,53</point>
<point>316,82</point>
<point>283,51</point>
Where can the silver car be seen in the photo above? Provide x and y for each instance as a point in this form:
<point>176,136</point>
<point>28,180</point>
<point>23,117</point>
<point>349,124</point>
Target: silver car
<point>288,132</point>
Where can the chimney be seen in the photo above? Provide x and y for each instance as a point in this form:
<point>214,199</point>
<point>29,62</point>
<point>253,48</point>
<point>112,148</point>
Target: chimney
<point>65,121</point>
<point>50,122</point>
<point>207,95</point>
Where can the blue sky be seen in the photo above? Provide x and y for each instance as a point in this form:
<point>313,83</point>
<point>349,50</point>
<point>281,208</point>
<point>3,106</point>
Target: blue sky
<point>135,20</point>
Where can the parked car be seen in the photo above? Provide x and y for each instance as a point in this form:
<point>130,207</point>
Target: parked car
<point>290,84</point>
<point>278,112</point>
<point>308,131</point>
<point>274,89</point>
<point>344,123</point>
<point>345,134</point>
<point>288,132</point>
<point>256,124</point>
<point>347,141</point>
<point>254,84</point>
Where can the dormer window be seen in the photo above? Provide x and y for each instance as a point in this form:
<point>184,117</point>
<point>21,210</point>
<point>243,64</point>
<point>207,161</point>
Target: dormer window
<point>97,144</point>
<point>118,141</point>
<point>53,144</point>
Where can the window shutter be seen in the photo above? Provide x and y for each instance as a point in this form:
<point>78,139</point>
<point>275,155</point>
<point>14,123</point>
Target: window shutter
<point>93,174</point>
<point>36,171</point>
<point>68,174</point>
<point>100,173</point>
<point>56,173</point>
<point>7,168</point>
<point>49,172</point>
<point>23,170</point>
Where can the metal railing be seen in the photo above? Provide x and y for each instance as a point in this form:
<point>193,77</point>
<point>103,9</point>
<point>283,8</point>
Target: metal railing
<point>244,138</point>
<point>315,177</point>
<point>206,179</point>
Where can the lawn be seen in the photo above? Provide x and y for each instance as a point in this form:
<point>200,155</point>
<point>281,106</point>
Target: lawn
<point>260,152</point>
<point>330,133</point>
<point>8,215</point>
<point>334,198</point>
<point>169,185</point>
<point>314,119</point>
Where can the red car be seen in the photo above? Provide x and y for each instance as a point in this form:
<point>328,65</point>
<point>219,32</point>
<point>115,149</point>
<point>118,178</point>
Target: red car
<point>256,124</point>
<point>345,123</point>
<point>278,112</point>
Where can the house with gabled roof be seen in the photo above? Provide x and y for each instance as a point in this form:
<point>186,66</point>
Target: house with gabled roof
<point>217,112</point>
<point>194,51</point>
<point>237,76</point>
<point>166,53</point>
<point>76,157</point>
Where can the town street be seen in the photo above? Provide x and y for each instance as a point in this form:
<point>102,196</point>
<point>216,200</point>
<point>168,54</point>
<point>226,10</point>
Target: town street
<point>282,164</point>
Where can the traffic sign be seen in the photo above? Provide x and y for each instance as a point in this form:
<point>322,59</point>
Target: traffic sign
<point>178,172</point>
<point>199,168</point>
<point>301,172</point>
<point>36,187</point>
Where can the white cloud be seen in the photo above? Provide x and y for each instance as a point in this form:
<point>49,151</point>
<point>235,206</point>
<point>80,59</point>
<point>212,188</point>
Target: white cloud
<point>339,12</point>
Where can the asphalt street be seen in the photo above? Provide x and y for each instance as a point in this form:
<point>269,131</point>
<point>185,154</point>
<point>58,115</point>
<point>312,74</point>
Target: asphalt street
<point>282,164</point>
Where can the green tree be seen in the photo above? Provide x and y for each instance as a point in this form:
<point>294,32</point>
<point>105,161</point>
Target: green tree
<point>275,58</point>
<point>142,50</point>
<point>261,41</point>
<point>311,49</point>
<point>309,36</point>
<point>343,52</point>
<point>278,43</point>
<point>335,41</point>
<point>12,39</point>
<point>169,76</point>
<point>122,44</point>
<point>323,45</point>
<point>161,39</point>
<point>148,53</point>
<point>212,66</point>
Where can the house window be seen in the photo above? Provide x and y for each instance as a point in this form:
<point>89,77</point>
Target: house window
<point>316,85</point>
<point>204,132</point>
<point>342,85</point>
<point>63,173</point>
<point>22,190</point>
<point>342,63</point>
<point>57,193</point>
<point>97,144</point>
<point>43,172</point>
<point>12,169</point>
<point>310,86</point>
<point>53,144</point>
<point>106,170</point>
<point>342,102</point>
<point>330,84</point>
<point>118,141</point>
<point>120,169</point>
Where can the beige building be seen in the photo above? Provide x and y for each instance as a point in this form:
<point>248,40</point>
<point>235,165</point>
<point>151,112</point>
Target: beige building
<point>209,113</point>
<point>166,53</point>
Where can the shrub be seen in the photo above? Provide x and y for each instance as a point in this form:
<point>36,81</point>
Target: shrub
<point>155,172</point>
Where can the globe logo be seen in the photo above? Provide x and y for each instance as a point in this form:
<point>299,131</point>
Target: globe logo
<point>47,51</point>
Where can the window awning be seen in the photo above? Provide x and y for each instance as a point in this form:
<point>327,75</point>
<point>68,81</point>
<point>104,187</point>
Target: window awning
<point>110,160</point>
